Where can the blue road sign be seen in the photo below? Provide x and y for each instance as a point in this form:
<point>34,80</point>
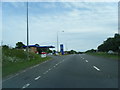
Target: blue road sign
<point>61,49</point>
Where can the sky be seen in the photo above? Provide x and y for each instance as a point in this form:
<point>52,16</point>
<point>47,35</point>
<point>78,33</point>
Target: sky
<point>85,24</point>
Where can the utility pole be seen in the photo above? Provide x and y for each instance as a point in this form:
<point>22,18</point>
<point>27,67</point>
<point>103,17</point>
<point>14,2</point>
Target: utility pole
<point>27,35</point>
<point>57,43</point>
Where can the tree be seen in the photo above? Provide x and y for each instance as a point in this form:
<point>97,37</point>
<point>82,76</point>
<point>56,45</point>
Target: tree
<point>5,46</point>
<point>92,50</point>
<point>110,44</point>
<point>19,45</point>
<point>72,52</point>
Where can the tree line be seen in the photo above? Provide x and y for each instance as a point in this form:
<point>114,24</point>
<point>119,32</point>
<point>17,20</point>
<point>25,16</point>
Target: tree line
<point>112,43</point>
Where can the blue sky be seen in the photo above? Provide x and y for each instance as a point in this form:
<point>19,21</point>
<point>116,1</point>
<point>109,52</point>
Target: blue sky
<point>85,24</point>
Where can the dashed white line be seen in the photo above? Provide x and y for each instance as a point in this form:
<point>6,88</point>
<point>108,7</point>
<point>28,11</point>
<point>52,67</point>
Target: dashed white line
<point>26,85</point>
<point>37,77</point>
<point>96,68</point>
<point>86,60</point>
<point>54,66</point>
<point>49,69</point>
<point>45,72</point>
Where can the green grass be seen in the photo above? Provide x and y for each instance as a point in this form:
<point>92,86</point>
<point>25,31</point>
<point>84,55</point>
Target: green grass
<point>16,60</point>
<point>106,55</point>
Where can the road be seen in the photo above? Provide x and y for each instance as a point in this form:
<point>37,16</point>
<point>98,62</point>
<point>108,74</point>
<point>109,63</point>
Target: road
<point>68,71</point>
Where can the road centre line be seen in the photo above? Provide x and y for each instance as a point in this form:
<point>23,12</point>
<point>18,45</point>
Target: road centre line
<point>37,77</point>
<point>49,69</point>
<point>96,68</point>
<point>86,60</point>
<point>26,85</point>
<point>45,72</point>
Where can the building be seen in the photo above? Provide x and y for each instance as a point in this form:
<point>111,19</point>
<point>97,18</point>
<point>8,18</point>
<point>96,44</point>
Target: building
<point>33,48</point>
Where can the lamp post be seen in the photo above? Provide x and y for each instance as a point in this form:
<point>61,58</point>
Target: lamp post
<point>27,49</point>
<point>58,41</point>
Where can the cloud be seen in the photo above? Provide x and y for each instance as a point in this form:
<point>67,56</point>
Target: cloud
<point>86,25</point>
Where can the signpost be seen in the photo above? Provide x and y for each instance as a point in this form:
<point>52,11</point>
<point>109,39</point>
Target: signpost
<point>61,49</point>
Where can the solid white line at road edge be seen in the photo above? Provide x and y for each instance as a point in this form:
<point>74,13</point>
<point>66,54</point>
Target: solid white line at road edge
<point>26,85</point>
<point>96,68</point>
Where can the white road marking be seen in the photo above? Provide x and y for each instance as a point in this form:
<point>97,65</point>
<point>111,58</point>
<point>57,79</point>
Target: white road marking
<point>86,60</point>
<point>45,72</point>
<point>37,77</point>
<point>37,65</point>
<point>26,85</point>
<point>31,67</point>
<point>49,69</point>
<point>44,61</point>
<point>96,68</point>
<point>54,66</point>
<point>16,74</point>
<point>34,66</point>
<point>24,71</point>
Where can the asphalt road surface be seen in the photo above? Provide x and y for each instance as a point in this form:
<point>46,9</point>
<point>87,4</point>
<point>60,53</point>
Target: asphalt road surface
<point>69,71</point>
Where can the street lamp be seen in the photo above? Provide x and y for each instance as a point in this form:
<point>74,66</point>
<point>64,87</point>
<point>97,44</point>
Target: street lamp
<point>27,49</point>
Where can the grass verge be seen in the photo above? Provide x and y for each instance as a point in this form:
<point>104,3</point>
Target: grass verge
<point>106,55</point>
<point>12,68</point>
<point>16,62</point>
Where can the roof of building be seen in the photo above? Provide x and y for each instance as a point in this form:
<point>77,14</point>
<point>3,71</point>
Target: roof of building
<point>40,46</point>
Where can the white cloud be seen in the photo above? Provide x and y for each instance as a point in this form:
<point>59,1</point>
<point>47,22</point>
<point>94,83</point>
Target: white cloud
<point>96,20</point>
